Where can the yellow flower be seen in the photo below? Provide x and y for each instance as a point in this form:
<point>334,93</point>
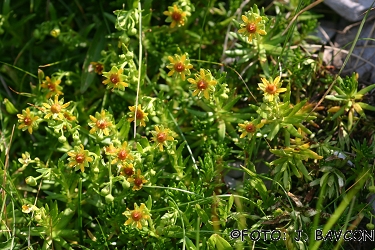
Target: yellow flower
<point>101,123</point>
<point>138,180</point>
<point>249,128</point>
<point>28,208</point>
<point>176,16</point>
<point>179,65</point>
<point>98,67</point>
<point>138,216</point>
<point>55,108</point>
<point>203,82</point>
<point>122,153</point>
<point>127,169</point>
<point>53,86</point>
<point>252,27</point>
<point>115,79</point>
<point>271,88</point>
<point>141,115</point>
<point>79,158</point>
<point>28,121</point>
<point>161,136</point>
<point>110,150</point>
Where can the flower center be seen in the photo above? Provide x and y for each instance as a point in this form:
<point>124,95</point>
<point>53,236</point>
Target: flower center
<point>179,67</point>
<point>202,85</point>
<point>27,121</point>
<point>99,68</point>
<point>51,87</point>
<point>80,158</point>
<point>138,181</point>
<point>122,155</point>
<point>251,27</point>
<point>102,124</point>
<point>271,89</point>
<point>250,128</point>
<point>176,16</point>
<point>128,171</point>
<point>55,108</point>
<point>114,78</point>
<point>161,137</point>
<point>139,115</point>
<point>136,215</point>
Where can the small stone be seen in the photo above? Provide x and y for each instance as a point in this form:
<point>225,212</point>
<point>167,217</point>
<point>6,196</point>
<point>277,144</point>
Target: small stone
<point>351,10</point>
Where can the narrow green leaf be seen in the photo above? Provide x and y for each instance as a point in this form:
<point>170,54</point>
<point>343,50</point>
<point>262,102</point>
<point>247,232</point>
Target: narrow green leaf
<point>303,169</point>
<point>296,108</point>
<point>295,170</point>
<point>366,106</point>
<point>221,130</point>
<point>292,130</point>
<point>274,127</point>
<point>286,180</point>
<point>365,90</point>
<point>230,203</point>
<point>338,113</point>
<point>230,104</point>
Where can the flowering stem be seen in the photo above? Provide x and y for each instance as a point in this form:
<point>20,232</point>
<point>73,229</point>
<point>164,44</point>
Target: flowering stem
<point>139,67</point>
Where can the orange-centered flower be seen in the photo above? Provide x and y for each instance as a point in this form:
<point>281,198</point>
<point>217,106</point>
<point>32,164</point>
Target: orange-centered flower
<point>203,82</point>
<point>249,128</point>
<point>115,79</point>
<point>101,123</point>
<point>127,169</point>
<point>27,121</point>
<point>138,180</point>
<point>79,158</point>
<point>179,66</point>
<point>271,88</point>
<point>56,108</point>
<point>140,115</point>
<point>161,136</point>
<point>122,154</point>
<point>176,16</point>
<point>252,27</point>
<point>137,217</point>
<point>53,86</point>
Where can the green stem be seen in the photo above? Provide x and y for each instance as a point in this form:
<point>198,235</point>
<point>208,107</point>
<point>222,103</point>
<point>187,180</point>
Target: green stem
<point>139,67</point>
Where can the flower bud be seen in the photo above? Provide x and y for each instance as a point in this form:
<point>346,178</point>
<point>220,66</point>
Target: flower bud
<point>36,34</point>
<point>38,216</point>
<point>104,191</point>
<point>40,75</point>
<point>31,181</point>
<point>129,55</point>
<point>125,184</point>
<point>62,139</point>
<point>370,226</point>
<point>10,107</point>
<point>55,32</point>
<point>109,198</point>
<point>132,32</point>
